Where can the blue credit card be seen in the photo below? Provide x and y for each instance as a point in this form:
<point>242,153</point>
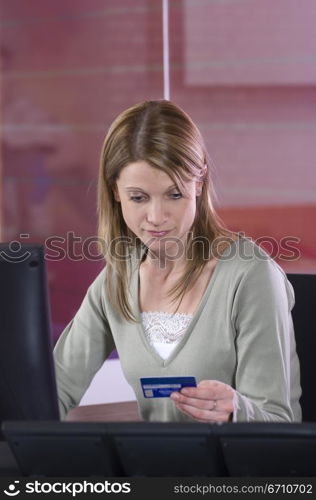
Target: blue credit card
<point>162,387</point>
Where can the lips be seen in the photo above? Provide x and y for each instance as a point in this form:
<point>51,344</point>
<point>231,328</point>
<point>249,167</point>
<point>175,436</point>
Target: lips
<point>158,233</point>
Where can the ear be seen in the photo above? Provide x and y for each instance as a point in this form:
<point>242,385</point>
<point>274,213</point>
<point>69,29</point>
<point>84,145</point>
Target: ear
<point>198,188</point>
<point>116,194</point>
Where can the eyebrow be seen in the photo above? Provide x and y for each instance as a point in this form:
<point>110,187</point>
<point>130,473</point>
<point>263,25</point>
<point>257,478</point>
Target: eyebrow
<point>132,188</point>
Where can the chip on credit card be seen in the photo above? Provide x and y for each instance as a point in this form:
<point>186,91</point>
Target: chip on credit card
<point>162,387</point>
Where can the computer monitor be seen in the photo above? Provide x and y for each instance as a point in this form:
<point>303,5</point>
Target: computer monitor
<point>161,449</point>
<point>269,449</point>
<point>27,378</point>
<point>126,449</point>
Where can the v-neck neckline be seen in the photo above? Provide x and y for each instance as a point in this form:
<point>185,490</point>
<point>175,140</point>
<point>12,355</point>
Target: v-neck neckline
<point>135,286</point>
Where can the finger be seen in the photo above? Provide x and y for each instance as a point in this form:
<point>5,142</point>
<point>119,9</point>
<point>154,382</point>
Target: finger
<point>224,405</point>
<point>211,405</point>
<point>197,393</point>
<point>220,388</point>
<point>205,416</point>
<point>223,392</point>
<point>203,403</point>
<point>210,383</point>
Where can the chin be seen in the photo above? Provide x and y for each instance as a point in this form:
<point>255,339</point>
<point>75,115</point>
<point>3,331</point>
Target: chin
<point>160,248</point>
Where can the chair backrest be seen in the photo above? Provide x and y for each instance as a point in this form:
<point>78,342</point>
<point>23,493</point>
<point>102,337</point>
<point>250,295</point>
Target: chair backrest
<point>304,319</point>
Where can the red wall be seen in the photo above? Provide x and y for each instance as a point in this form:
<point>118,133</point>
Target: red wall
<point>244,70</point>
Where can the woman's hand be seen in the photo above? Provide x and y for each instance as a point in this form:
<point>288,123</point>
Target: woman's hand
<point>210,401</point>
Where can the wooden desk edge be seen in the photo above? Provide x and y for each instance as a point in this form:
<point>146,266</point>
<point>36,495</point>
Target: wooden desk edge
<point>125,411</point>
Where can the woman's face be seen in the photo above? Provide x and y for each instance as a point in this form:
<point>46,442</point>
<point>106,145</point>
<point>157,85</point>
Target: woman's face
<point>153,207</point>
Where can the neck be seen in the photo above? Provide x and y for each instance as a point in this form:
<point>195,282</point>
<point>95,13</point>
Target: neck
<point>163,265</point>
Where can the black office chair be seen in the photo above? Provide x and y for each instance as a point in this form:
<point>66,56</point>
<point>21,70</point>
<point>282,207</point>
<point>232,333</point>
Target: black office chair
<point>304,319</point>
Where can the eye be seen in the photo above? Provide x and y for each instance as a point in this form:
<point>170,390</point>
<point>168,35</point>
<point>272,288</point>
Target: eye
<point>176,196</point>
<point>137,199</point>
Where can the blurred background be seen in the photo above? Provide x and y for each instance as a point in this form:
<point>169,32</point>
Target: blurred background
<point>245,70</point>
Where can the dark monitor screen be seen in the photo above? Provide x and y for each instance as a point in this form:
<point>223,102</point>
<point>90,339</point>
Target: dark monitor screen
<point>27,378</point>
<point>269,449</point>
<point>140,449</point>
<point>114,449</point>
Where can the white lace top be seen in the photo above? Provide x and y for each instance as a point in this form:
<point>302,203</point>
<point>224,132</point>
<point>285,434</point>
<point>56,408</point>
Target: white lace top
<point>164,330</point>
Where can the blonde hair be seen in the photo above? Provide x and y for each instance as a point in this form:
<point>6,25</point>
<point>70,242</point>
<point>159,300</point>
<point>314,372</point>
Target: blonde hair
<point>164,136</point>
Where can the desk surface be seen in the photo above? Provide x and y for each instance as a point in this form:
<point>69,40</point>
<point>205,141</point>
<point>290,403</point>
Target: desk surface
<point>126,411</point>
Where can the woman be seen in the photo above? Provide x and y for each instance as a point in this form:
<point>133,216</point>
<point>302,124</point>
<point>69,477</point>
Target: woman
<point>180,295</point>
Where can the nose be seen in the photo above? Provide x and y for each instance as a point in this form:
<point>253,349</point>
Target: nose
<point>156,215</point>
